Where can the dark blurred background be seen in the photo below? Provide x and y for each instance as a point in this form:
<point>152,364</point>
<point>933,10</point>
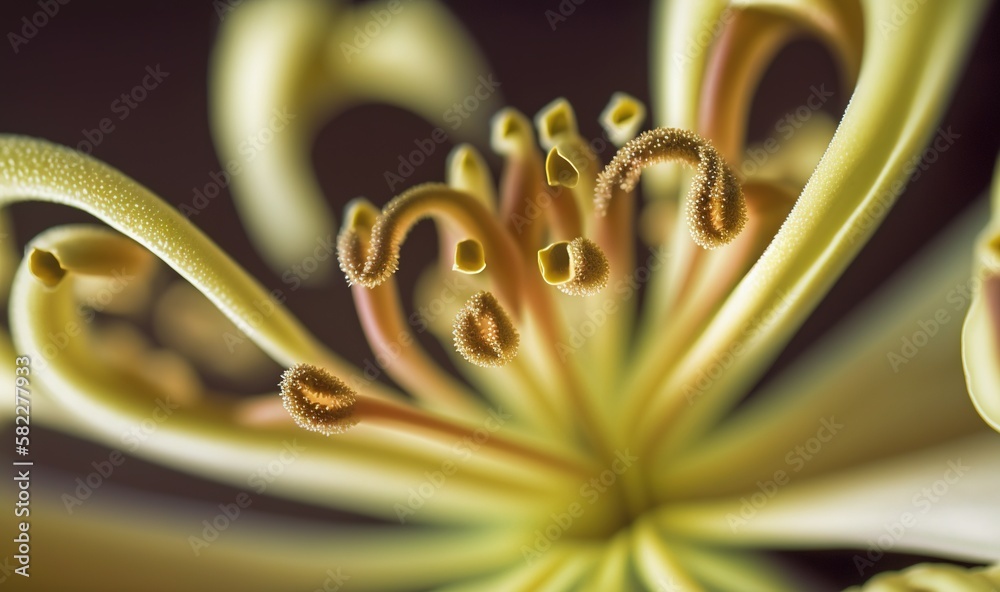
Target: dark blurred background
<point>64,80</point>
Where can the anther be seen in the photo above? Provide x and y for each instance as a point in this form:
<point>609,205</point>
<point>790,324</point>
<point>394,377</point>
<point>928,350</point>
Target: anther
<point>577,268</point>
<point>484,334</point>
<point>716,209</point>
<point>317,400</point>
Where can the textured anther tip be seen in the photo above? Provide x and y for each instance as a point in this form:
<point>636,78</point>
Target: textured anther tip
<point>716,209</point>
<point>484,334</point>
<point>360,216</point>
<point>577,267</point>
<point>45,267</point>
<point>559,170</point>
<point>470,257</point>
<point>317,400</point>
<point>622,118</point>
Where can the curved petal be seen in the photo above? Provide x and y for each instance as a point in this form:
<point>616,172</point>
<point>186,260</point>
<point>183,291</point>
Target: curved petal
<point>888,395</point>
<point>558,569</point>
<point>981,335</point>
<point>929,577</point>
<point>281,67</point>
<point>904,82</point>
<point>207,440</point>
<point>169,547</point>
<point>939,502</point>
<point>363,470</point>
<point>32,169</point>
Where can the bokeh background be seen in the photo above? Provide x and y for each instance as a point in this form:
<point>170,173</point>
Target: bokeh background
<point>64,80</point>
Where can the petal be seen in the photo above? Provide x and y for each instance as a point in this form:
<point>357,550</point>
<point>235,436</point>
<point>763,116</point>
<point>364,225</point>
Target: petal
<point>254,551</point>
<point>674,565</point>
<point>32,169</point>
<point>903,85</point>
<point>286,66</point>
<point>207,440</point>
<point>560,568</point>
<point>981,335</point>
<point>940,502</point>
<point>889,399</point>
<point>364,471</point>
<point>928,577</point>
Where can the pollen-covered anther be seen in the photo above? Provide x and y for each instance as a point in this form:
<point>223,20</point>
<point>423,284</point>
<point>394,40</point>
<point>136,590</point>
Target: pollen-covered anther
<point>484,334</point>
<point>317,400</point>
<point>716,209</point>
<point>577,267</point>
<point>353,241</point>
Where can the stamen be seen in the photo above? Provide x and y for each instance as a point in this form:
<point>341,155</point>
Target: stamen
<point>560,170</point>
<point>468,172</point>
<point>469,257</point>
<point>522,179</point>
<point>317,400</point>
<point>352,243</point>
<point>564,211</point>
<point>510,132</point>
<point>622,117</point>
<point>556,121</point>
<point>370,257</point>
<point>716,210</point>
<point>577,268</point>
<point>484,334</point>
<point>557,127</point>
<point>45,266</point>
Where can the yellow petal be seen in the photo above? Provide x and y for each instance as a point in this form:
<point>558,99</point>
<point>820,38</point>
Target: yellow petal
<point>256,551</point>
<point>981,337</point>
<point>902,88</point>
<point>889,396</point>
<point>940,502</point>
<point>281,68</point>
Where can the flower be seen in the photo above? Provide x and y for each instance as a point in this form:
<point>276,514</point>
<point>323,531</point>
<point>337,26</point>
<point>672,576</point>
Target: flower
<point>592,442</point>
